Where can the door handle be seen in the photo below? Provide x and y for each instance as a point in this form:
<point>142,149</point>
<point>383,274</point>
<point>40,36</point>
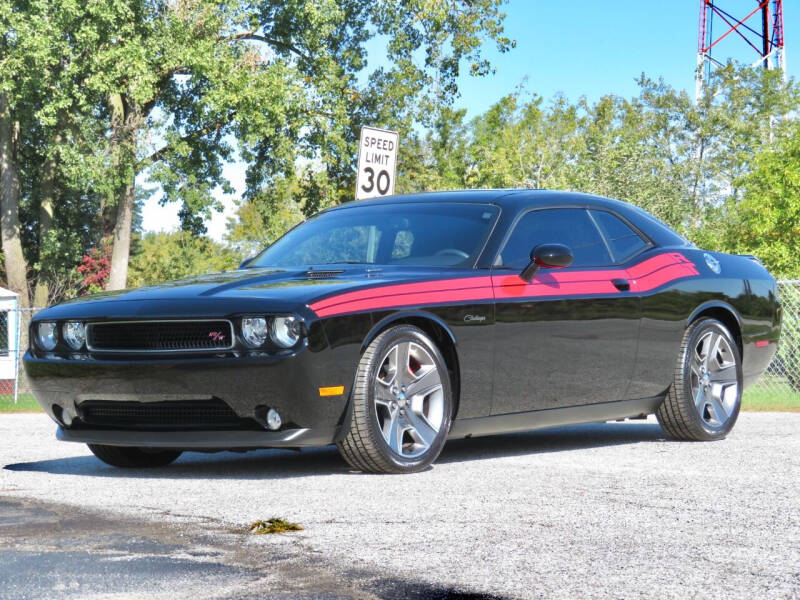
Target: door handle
<point>623,285</point>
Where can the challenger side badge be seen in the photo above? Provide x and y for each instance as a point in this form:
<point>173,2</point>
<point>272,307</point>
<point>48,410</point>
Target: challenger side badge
<point>712,263</point>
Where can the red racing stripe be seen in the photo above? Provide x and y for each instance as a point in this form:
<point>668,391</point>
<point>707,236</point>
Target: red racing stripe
<point>645,276</point>
<point>439,285</point>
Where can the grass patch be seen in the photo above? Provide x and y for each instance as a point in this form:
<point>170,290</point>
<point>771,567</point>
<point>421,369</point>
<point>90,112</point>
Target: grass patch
<point>25,403</point>
<point>775,396</point>
<point>274,526</point>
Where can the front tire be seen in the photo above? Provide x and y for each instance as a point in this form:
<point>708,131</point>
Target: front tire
<point>128,457</point>
<point>704,399</point>
<point>402,404</point>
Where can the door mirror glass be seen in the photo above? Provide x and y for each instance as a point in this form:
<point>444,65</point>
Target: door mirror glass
<point>548,256</point>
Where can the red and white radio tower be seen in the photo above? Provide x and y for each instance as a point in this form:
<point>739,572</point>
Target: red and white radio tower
<point>761,31</point>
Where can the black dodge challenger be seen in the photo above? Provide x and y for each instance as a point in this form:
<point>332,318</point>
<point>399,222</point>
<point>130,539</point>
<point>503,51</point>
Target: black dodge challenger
<point>390,325</point>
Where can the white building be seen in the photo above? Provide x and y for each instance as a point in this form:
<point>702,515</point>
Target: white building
<point>8,340</point>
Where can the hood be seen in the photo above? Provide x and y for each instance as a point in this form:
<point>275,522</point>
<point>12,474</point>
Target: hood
<point>244,290</point>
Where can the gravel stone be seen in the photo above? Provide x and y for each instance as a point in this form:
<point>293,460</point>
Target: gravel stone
<point>604,511</point>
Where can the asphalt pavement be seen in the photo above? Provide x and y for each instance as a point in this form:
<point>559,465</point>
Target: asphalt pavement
<point>602,511</point>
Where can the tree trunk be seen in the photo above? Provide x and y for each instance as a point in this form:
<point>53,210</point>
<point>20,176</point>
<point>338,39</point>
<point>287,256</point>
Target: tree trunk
<point>16,269</point>
<point>122,240</point>
<point>47,198</point>
<point>46,206</point>
<point>124,126</point>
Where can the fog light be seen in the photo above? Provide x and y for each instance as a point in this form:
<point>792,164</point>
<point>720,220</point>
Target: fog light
<point>273,419</point>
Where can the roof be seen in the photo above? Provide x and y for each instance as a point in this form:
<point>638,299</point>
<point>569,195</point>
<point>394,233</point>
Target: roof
<point>4,293</point>
<point>501,197</point>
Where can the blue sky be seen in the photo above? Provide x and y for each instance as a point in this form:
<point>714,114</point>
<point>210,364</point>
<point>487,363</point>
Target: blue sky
<point>579,48</point>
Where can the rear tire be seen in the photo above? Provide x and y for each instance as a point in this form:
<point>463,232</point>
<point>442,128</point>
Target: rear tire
<point>703,401</point>
<point>128,457</point>
<point>402,404</point>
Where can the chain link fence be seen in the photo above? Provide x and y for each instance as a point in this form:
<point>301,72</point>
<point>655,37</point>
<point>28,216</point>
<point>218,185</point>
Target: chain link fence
<point>13,342</point>
<point>780,382</point>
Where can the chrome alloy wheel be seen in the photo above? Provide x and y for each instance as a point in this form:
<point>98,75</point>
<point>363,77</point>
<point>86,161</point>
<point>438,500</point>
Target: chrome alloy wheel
<point>409,399</point>
<point>713,379</point>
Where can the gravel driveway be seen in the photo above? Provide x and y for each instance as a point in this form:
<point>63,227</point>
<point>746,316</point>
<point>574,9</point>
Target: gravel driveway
<point>609,511</point>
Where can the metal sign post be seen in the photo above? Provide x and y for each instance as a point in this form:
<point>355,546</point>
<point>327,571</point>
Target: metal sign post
<point>377,163</point>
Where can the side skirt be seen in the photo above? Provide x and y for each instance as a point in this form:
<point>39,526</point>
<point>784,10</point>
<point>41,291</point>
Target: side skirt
<point>553,417</point>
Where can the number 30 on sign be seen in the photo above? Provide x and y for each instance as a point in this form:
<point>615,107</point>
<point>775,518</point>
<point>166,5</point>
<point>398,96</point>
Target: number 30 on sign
<point>377,163</point>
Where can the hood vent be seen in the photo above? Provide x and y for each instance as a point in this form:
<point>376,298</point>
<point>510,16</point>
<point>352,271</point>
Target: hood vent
<point>312,274</point>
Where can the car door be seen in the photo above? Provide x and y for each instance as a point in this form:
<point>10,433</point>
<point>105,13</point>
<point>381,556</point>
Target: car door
<point>570,336</point>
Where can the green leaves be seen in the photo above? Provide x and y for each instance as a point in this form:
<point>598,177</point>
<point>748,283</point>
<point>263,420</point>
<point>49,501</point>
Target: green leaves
<point>112,90</point>
<point>766,222</point>
<point>170,256</point>
<point>723,171</point>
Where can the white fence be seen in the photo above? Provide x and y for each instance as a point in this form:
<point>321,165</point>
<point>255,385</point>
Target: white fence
<point>781,380</point>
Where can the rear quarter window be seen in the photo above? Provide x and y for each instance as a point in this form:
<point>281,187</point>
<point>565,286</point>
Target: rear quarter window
<point>623,242</point>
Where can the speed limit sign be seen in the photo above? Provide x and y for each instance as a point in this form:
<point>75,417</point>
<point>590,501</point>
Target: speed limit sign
<point>377,163</point>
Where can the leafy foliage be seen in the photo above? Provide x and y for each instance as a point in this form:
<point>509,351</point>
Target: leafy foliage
<point>105,92</point>
<point>766,221</point>
<point>99,94</point>
<point>170,256</point>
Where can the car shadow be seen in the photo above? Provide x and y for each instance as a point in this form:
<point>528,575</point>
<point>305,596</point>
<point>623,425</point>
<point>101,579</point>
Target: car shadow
<point>557,439</point>
<point>310,462</point>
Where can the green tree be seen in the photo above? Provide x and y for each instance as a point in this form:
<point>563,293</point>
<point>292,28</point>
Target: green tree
<point>174,89</point>
<point>266,216</point>
<point>170,256</point>
<point>766,221</point>
<point>52,131</point>
<point>681,161</point>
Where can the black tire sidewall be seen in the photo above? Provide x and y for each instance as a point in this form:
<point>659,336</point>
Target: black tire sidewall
<point>384,342</point>
<point>699,329</point>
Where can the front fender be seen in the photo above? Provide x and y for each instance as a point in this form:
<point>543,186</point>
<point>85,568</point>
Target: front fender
<point>406,316</point>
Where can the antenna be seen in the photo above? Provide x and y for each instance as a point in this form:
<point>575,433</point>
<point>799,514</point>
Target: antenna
<point>758,33</point>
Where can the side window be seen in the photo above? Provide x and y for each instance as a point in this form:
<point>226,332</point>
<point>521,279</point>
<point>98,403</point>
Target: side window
<point>623,241</point>
<point>571,226</point>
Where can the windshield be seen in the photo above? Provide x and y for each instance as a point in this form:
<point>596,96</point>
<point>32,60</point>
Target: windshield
<point>441,234</point>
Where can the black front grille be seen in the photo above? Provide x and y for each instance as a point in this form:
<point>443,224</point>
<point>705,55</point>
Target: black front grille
<point>160,336</point>
<point>167,416</point>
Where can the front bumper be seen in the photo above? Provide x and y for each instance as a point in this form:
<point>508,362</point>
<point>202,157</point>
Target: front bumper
<point>289,383</point>
<point>201,440</point>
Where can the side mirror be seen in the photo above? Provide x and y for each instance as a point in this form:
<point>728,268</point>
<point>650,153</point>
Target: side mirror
<point>245,262</point>
<point>549,256</point>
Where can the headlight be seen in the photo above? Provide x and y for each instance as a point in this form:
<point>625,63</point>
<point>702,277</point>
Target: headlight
<point>254,331</point>
<point>74,334</point>
<point>285,331</point>
<point>47,335</point>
